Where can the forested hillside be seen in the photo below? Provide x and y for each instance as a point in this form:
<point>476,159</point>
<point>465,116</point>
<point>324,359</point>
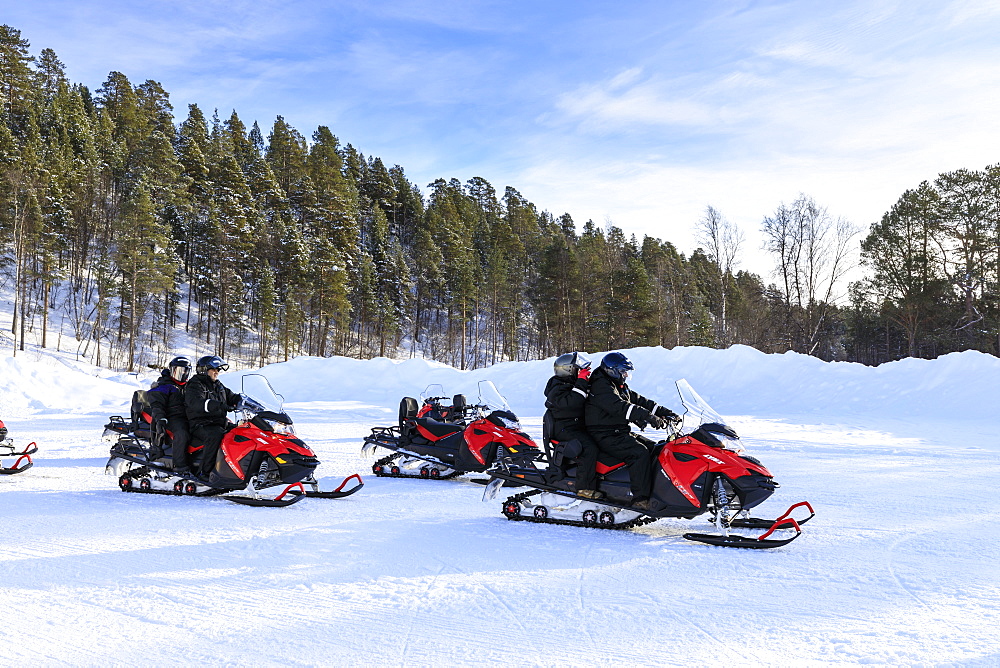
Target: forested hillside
<point>136,223</point>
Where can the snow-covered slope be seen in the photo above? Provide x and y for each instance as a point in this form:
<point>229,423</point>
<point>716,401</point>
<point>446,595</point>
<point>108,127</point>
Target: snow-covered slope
<point>897,568</point>
<point>740,380</point>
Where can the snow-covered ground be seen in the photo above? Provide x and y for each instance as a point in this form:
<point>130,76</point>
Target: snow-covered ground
<point>898,567</point>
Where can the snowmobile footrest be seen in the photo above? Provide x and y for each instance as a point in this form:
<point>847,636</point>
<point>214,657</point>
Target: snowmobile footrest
<point>506,483</point>
<point>340,492</point>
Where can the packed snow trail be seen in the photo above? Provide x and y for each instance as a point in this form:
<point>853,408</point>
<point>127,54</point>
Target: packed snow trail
<point>897,567</point>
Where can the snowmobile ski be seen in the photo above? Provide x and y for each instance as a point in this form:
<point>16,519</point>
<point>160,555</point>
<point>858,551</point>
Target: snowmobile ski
<point>24,455</point>
<point>338,493</point>
<point>291,494</point>
<point>749,542</point>
<point>758,523</point>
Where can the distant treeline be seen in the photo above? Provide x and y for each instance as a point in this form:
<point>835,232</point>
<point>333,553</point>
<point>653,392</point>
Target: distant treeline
<point>134,227</point>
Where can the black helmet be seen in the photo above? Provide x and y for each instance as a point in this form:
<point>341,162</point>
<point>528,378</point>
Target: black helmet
<point>212,362</point>
<point>616,366</point>
<point>180,368</point>
<point>568,365</point>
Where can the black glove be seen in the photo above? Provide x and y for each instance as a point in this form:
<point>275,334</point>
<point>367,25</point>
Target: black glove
<point>656,422</point>
<point>666,414</point>
<point>237,402</point>
<point>161,425</point>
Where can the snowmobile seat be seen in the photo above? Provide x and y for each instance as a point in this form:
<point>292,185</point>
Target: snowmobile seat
<point>434,430</point>
<point>141,419</point>
<point>607,464</point>
<point>562,453</point>
<point>407,414</point>
<point>458,404</point>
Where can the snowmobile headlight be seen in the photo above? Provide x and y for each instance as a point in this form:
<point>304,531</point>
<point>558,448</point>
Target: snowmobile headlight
<point>281,427</point>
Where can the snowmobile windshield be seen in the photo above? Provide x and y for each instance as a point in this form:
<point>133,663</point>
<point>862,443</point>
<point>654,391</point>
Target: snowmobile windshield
<point>490,397</point>
<point>257,388</point>
<point>432,392</point>
<point>698,412</point>
<point>263,406</point>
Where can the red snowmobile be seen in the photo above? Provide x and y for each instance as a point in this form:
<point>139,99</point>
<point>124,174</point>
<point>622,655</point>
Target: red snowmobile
<point>705,470</point>
<point>436,441</point>
<point>260,452</point>
<point>7,449</point>
<point>434,405</point>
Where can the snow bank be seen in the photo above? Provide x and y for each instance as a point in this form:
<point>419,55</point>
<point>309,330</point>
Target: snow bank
<point>53,384</point>
<point>739,380</point>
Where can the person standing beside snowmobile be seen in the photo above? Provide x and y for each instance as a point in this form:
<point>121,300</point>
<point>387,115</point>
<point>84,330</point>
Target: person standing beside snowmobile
<point>565,397</point>
<point>610,408</point>
<point>207,401</point>
<point>169,413</point>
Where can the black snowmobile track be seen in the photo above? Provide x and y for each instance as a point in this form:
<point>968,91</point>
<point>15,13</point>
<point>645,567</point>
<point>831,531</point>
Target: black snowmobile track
<point>127,483</point>
<point>513,502</point>
<point>383,469</point>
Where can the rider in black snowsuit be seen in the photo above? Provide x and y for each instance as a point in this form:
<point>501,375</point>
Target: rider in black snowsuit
<point>565,396</point>
<point>167,408</point>
<point>610,408</point>
<point>207,401</point>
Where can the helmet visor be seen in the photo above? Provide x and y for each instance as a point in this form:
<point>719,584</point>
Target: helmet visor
<point>180,373</point>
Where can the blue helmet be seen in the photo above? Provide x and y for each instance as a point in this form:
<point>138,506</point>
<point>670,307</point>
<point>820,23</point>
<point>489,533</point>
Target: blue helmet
<point>211,362</point>
<point>616,366</point>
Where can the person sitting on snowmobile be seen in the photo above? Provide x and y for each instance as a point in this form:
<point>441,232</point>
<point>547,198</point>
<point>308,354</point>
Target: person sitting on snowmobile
<point>166,406</point>
<point>207,401</point>
<point>565,396</point>
<point>610,408</point>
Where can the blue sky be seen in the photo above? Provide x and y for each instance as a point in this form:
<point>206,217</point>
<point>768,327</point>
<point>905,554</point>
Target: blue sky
<point>641,113</point>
